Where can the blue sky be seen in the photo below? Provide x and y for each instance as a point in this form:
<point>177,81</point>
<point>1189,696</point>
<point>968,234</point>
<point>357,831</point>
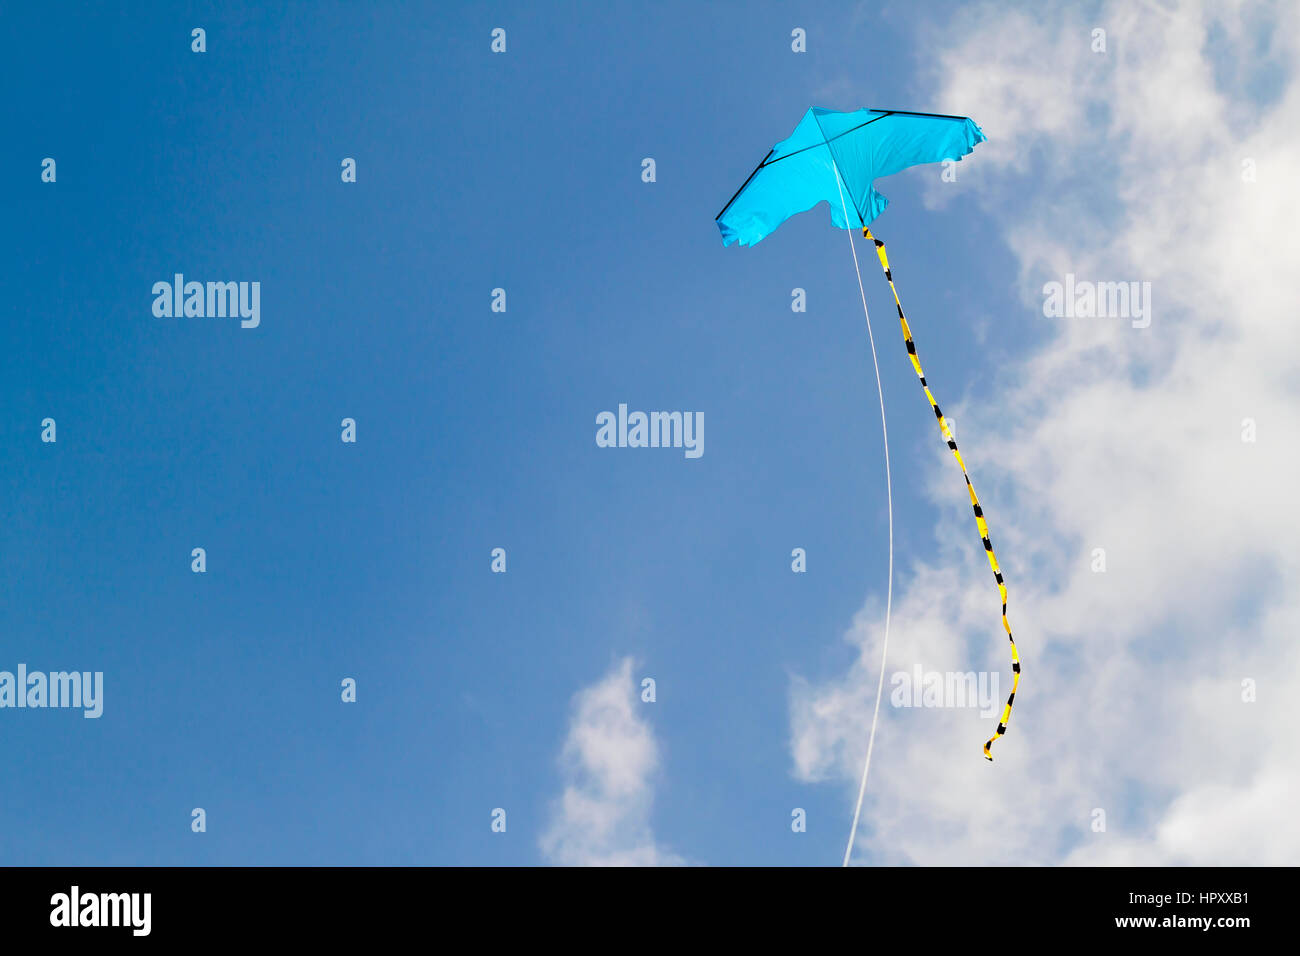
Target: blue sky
<point>475,429</point>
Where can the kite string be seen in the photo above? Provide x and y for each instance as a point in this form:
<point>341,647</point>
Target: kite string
<point>889,494</point>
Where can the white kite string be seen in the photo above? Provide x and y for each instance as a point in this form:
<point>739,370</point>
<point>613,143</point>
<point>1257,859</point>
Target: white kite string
<point>889,494</point>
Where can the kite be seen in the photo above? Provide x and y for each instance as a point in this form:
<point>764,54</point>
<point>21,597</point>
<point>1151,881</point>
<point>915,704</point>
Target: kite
<point>829,156</point>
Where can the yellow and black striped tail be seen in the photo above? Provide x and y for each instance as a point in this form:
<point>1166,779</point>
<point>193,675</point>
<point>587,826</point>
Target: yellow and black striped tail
<point>974,500</point>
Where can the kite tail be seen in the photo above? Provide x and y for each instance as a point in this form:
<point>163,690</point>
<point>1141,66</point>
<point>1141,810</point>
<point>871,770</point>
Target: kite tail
<point>970,488</point>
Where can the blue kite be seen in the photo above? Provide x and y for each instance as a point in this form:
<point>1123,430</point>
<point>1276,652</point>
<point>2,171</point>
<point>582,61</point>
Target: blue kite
<point>836,157</point>
<point>799,172</point>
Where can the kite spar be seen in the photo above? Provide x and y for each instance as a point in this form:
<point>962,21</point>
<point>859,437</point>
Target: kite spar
<point>850,150</point>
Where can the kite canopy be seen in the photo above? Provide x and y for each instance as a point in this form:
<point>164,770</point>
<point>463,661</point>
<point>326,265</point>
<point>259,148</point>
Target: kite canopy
<point>799,172</point>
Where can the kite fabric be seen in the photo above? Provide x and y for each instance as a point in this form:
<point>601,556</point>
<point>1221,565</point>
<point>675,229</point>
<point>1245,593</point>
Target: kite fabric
<point>830,155</point>
<point>800,172</point>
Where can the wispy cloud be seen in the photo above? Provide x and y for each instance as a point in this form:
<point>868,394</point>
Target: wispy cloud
<point>610,762</point>
<point>1122,165</point>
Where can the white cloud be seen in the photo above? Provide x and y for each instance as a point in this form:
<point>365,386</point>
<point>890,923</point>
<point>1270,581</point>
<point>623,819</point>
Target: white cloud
<point>610,762</point>
<point>1117,166</point>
